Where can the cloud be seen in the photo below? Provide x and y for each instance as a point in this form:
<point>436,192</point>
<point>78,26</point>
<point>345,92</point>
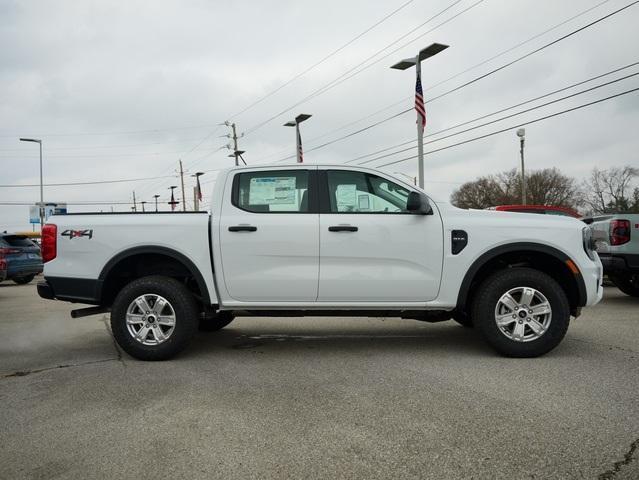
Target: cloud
<point>81,74</point>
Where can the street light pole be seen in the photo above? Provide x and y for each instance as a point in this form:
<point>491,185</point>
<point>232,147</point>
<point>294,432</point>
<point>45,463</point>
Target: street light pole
<point>416,61</point>
<point>521,133</point>
<point>298,138</point>
<point>41,209</point>
<point>156,201</point>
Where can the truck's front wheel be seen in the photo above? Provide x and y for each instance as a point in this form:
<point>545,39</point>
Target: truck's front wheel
<point>154,318</point>
<point>521,312</point>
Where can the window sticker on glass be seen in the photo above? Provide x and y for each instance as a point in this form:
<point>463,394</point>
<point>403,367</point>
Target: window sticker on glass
<point>346,196</point>
<point>272,191</point>
<point>363,202</point>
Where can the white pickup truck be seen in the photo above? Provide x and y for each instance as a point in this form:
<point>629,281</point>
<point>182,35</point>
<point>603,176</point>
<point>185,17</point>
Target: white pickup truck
<point>322,240</point>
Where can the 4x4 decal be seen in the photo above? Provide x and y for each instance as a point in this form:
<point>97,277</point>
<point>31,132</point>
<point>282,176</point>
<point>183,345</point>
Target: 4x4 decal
<point>77,233</point>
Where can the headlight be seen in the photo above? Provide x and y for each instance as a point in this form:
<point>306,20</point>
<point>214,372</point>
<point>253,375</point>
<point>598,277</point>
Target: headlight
<point>588,242</point>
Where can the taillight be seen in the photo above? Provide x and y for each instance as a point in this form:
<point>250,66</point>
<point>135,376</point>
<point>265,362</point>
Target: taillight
<point>619,232</point>
<point>3,264</point>
<point>49,242</point>
<point>7,251</point>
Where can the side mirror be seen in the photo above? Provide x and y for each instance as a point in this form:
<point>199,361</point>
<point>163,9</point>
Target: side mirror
<point>418,204</point>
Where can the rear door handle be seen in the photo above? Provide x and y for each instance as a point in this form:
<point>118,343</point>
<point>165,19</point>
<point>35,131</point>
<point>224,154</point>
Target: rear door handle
<point>243,228</point>
<point>342,228</point>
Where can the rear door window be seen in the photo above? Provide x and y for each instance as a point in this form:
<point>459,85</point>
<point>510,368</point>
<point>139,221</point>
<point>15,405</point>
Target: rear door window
<point>279,191</point>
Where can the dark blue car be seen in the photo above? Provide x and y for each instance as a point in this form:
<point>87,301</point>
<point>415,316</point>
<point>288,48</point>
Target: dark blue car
<point>22,257</point>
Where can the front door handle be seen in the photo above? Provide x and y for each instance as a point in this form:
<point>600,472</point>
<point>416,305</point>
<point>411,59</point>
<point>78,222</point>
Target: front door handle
<point>243,228</point>
<point>342,228</point>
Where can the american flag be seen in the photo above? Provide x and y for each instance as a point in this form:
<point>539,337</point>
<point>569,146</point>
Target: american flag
<point>419,103</point>
<point>199,188</point>
<point>299,147</point>
<point>173,203</point>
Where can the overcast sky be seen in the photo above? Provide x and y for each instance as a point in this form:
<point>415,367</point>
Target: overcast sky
<point>123,89</point>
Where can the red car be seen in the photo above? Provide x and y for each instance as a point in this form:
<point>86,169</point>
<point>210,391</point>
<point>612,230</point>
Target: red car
<point>3,269</point>
<point>542,209</point>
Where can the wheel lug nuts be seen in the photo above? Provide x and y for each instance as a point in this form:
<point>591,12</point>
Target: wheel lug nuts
<point>514,316</point>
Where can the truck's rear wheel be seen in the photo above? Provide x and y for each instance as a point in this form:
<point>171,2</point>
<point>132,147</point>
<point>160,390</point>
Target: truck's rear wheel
<point>521,312</point>
<point>154,318</point>
<point>628,283</point>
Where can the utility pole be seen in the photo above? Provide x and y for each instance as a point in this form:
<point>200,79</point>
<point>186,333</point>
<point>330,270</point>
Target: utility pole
<point>237,154</point>
<point>182,180</point>
<point>135,207</point>
<point>416,61</point>
<point>156,201</point>
<point>521,133</point>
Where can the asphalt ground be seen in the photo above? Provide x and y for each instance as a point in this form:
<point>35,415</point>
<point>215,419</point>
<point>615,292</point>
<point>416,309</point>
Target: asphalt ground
<point>316,398</point>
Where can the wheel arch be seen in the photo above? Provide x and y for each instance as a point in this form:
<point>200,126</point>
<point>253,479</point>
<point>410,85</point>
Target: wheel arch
<point>542,257</point>
<point>171,263</point>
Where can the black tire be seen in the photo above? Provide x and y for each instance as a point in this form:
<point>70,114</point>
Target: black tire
<point>24,280</point>
<point>628,283</point>
<point>487,298</point>
<point>180,299</point>
<point>215,322</point>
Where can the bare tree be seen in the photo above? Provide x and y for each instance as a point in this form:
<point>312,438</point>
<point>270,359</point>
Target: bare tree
<point>611,190</point>
<point>545,187</point>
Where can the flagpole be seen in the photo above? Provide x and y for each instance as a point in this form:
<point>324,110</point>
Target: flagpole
<point>297,142</point>
<point>416,62</point>
<point>420,130</point>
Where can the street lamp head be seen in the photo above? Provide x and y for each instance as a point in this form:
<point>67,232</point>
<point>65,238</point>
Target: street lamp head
<point>36,140</point>
<point>432,49</point>
<point>156,196</point>
<point>423,54</point>
<point>521,132</point>
<point>197,174</point>
<point>404,64</point>
<point>299,119</point>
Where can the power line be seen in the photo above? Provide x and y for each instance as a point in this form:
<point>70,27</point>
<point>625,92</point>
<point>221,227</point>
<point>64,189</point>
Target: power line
<point>96,182</point>
<point>539,119</point>
<point>110,155</point>
<point>130,132</point>
<point>93,147</point>
<point>497,119</point>
<point>574,32</point>
<point>336,81</point>
<point>316,64</point>
<point>446,80</point>
<point>476,79</point>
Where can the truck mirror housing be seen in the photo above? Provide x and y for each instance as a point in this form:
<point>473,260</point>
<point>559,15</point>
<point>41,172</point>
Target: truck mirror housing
<point>418,204</point>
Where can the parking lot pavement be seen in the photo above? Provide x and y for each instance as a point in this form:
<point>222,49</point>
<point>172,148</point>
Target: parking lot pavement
<point>316,398</point>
